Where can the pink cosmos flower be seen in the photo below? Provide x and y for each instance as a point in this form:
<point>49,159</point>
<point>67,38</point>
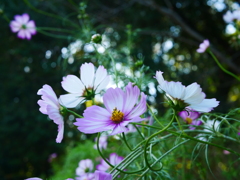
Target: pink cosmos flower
<point>190,118</point>
<point>49,105</point>
<point>121,109</point>
<point>102,142</point>
<point>84,167</point>
<point>114,159</point>
<point>100,175</point>
<point>23,26</point>
<point>182,97</point>
<point>203,46</point>
<point>86,87</point>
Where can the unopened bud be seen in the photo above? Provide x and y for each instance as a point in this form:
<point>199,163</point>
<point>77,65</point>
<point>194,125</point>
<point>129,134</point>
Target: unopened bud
<point>96,38</point>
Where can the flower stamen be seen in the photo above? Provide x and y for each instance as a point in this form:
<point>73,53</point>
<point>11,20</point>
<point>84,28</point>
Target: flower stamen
<point>189,120</point>
<point>117,116</point>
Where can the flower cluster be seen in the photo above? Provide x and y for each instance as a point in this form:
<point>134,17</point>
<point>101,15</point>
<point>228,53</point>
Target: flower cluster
<point>231,16</point>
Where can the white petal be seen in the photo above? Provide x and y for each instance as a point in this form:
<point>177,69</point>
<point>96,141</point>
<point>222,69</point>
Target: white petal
<point>193,94</point>
<point>72,84</point>
<point>101,74</point>
<point>87,74</point>
<point>206,105</point>
<point>70,100</point>
<point>159,77</point>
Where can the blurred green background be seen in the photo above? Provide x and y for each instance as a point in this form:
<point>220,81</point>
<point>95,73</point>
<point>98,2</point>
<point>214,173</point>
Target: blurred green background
<point>162,35</point>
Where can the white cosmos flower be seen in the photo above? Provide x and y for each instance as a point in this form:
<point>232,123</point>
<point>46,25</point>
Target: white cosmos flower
<point>89,84</point>
<point>186,97</point>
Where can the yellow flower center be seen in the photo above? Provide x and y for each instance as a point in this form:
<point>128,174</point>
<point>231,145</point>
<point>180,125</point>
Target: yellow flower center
<point>117,116</point>
<point>189,120</point>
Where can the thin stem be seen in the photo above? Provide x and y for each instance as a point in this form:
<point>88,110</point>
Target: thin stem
<point>46,13</point>
<point>56,29</point>
<point>74,113</point>
<point>99,151</point>
<point>139,132</point>
<point>134,123</point>
<point>223,69</point>
<point>114,67</point>
<point>54,35</point>
<point>125,140</point>
<point>154,115</point>
<point>152,136</point>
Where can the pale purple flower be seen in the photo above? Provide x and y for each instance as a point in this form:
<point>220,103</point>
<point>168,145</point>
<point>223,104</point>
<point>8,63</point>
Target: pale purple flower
<point>84,167</point>
<point>102,142</point>
<point>114,159</point>
<point>120,109</point>
<point>190,117</point>
<point>87,176</point>
<point>23,26</point>
<point>238,133</point>
<point>85,88</point>
<point>100,175</point>
<point>182,97</point>
<point>203,46</point>
<point>228,17</point>
<point>231,16</point>
<point>34,178</point>
<point>49,105</point>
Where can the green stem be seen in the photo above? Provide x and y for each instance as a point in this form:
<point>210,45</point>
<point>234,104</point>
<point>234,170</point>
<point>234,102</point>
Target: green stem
<point>223,69</point>
<point>154,115</point>
<point>74,113</point>
<point>46,13</point>
<point>115,167</point>
<point>139,132</point>
<point>54,35</point>
<point>152,136</point>
<point>114,67</point>
<point>166,153</point>
<point>56,29</point>
<point>134,123</point>
<point>125,140</point>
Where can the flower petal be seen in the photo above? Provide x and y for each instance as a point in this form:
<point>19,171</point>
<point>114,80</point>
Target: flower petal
<point>87,74</point>
<point>206,105</point>
<point>71,100</point>
<point>131,98</point>
<point>113,98</point>
<point>73,84</point>
<point>101,74</point>
<point>119,129</point>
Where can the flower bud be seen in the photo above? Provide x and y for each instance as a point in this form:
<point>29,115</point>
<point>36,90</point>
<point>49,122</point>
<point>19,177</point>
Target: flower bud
<point>96,38</point>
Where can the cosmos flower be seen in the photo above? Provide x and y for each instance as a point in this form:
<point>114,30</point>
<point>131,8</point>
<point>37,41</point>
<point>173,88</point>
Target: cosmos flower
<point>34,178</point>
<point>114,159</point>
<point>85,88</point>
<point>49,105</point>
<point>84,167</point>
<point>203,46</point>
<point>100,175</point>
<point>190,118</point>
<point>120,109</point>
<point>182,97</point>
<point>23,26</point>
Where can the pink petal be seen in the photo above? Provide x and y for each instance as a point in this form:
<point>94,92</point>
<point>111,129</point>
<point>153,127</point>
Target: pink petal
<point>113,98</point>
<point>31,27</point>
<point>131,98</point>
<point>25,18</point>
<point>15,26</point>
